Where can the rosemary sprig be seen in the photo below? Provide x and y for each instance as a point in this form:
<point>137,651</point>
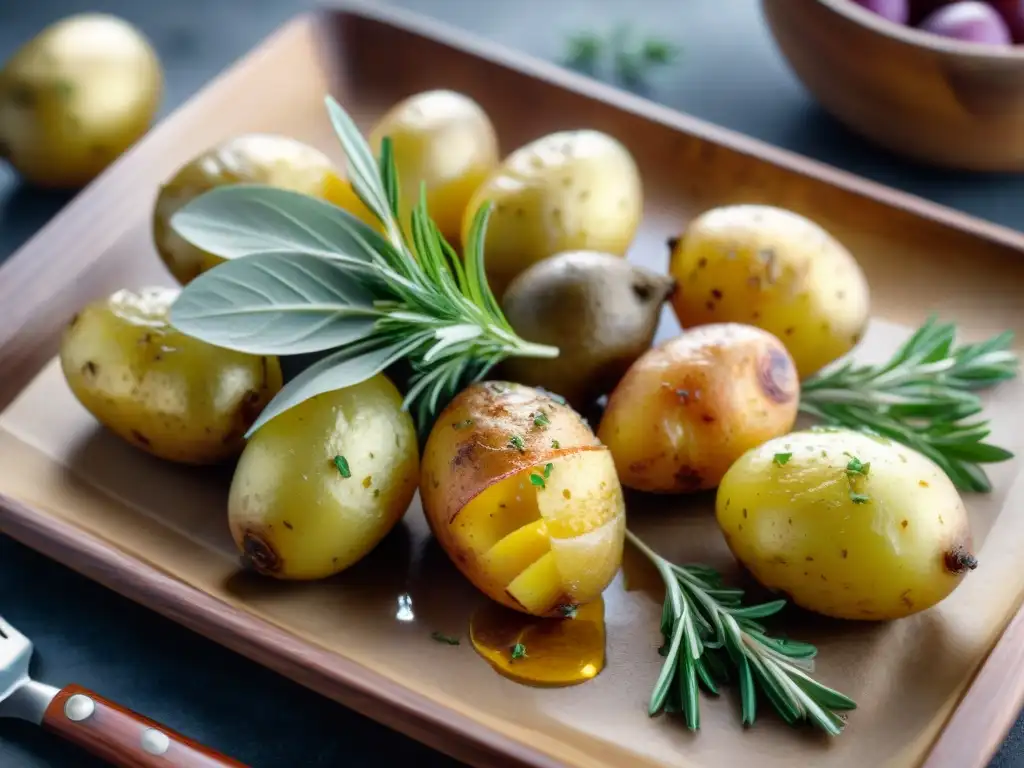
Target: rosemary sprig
<point>923,397</point>
<point>304,275</point>
<point>710,637</point>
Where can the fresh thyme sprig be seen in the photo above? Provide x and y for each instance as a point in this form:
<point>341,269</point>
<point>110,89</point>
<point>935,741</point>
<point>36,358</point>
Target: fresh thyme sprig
<point>923,397</point>
<point>710,638</point>
<point>304,276</point>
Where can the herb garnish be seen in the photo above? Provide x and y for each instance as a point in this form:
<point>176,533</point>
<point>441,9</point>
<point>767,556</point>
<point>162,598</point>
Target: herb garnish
<point>859,498</point>
<point>555,444</point>
<point>857,467</point>
<point>710,636</point>
<point>631,61</point>
<point>302,276</point>
<point>782,458</point>
<point>515,441</point>
<point>342,464</point>
<point>443,638</point>
<point>923,397</point>
<point>568,610</point>
<point>537,480</point>
<point>540,419</point>
<point>518,651</point>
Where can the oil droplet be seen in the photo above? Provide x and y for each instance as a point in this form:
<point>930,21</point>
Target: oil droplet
<point>404,612</point>
<point>559,652</point>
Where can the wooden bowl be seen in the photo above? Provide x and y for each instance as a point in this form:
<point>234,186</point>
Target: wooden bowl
<point>940,101</point>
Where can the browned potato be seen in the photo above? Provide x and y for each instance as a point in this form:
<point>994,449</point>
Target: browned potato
<point>687,409</point>
<point>523,498</point>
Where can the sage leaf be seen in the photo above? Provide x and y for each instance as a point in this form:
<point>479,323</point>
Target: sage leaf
<point>344,368</point>
<point>276,304</point>
<point>244,219</point>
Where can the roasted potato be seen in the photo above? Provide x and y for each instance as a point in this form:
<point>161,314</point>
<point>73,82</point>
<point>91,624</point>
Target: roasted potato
<point>278,161</point>
<point>444,140</point>
<point>171,395</point>
<point>847,524</point>
<point>319,485</point>
<point>774,269</point>
<point>691,406</point>
<point>75,97</point>
<point>567,191</point>
<point>523,498</point>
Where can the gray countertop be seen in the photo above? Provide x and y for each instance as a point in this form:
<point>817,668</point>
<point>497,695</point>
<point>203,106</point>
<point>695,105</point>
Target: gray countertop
<point>729,73</point>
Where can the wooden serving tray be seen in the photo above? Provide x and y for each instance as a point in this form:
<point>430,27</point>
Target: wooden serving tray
<point>940,688</point>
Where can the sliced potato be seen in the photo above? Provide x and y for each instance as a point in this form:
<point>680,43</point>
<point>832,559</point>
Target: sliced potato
<point>523,498</point>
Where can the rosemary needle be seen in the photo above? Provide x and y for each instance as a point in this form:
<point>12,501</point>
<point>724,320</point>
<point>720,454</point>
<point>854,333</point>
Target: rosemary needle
<point>922,397</point>
<point>710,637</point>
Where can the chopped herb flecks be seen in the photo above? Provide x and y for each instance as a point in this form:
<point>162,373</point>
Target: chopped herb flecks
<point>537,480</point>
<point>443,638</point>
<point>518,651</point>
<point>859,498</point>
<point>547,470</point>
<point>568,610</point>
<point>555,444</point>
<point>517,442</point>
<point>540,419</point>
<point>782,458</point>
<point>856,467</point>
<point>342,464</point>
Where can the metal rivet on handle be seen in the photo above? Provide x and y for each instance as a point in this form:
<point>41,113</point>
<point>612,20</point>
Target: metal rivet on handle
<point>79,707</point>
<point>154,742</point>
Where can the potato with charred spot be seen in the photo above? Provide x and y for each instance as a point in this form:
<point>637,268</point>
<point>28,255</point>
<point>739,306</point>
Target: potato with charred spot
<point>523,498</point>
<point>777,270</point>
<point>691,406</point>
<point>321,483</point>
<point>849,525</point>
<point>167,393</point>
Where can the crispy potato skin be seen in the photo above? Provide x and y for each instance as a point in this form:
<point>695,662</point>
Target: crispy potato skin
<point>75,97</point>
<point>774,269</point>
<point>445,140</point>
<point>531,548</point>
<point>277,161</point>
<point>164,392</point>
<point>689,407</point>
<point>292,512</point>
<point>798,528</point>
<point>567,191</point>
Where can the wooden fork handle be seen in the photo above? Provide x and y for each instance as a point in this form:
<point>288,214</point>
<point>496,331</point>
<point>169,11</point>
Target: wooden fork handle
<point>122,737</point>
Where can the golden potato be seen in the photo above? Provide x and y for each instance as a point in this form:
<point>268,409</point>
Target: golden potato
<point>848,525</point>
<point>171,395</point>
<point>567,191</point>
<point>691,406</point>
<point>523,498</point>
<point>319,485</point>
<point>445,140</point>
<point>75,97</point>
<point>269,159</point>
<point>774,269</point>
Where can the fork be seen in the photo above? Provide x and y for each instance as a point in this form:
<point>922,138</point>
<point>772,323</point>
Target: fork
<point>111,732</point>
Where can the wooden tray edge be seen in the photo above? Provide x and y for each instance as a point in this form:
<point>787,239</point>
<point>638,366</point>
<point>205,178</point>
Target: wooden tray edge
<point>484,48</point>
<point>331,675</point>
